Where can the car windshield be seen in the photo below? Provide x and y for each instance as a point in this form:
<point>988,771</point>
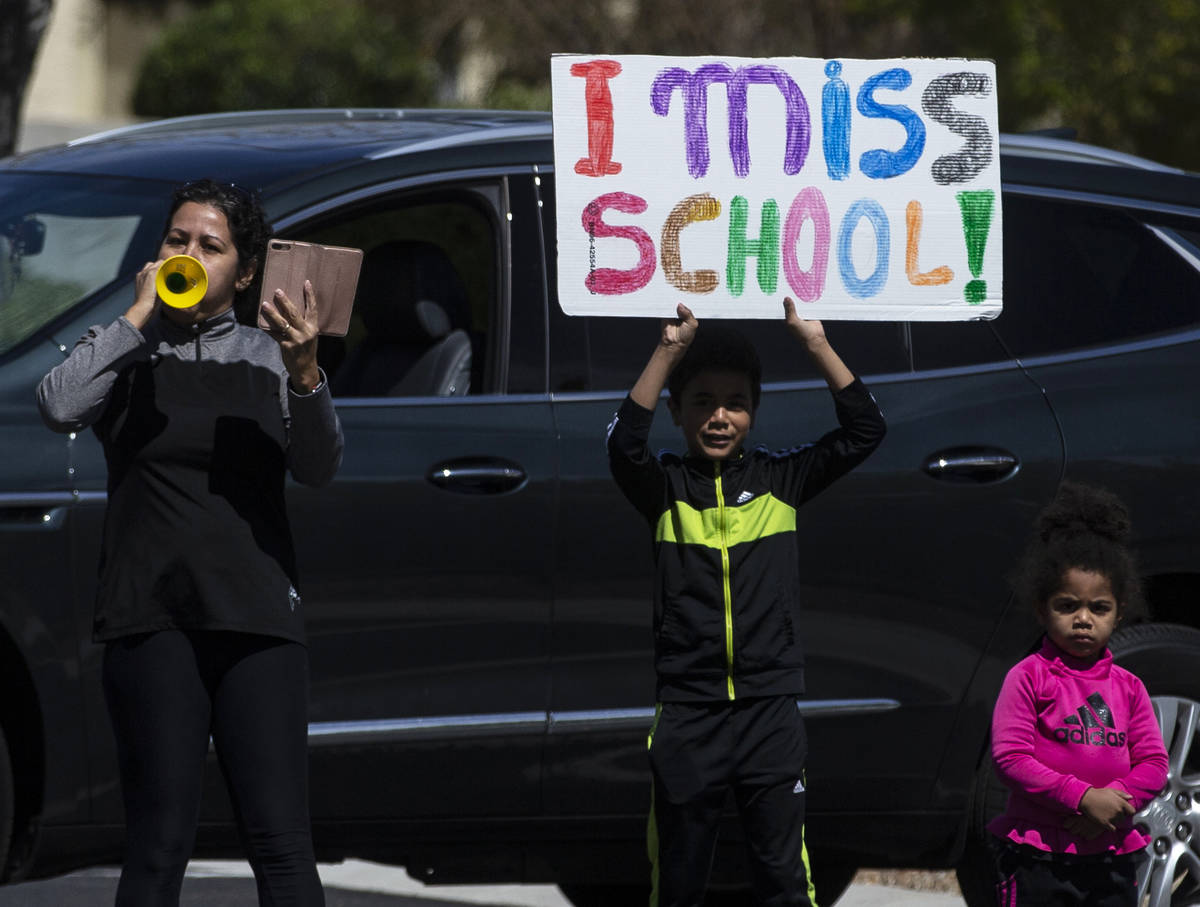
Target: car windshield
<point>63,237</point>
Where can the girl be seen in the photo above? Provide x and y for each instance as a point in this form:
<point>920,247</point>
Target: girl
<point>1074,736</point>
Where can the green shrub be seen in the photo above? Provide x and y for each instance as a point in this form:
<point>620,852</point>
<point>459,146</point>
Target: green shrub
<point>261,54</point>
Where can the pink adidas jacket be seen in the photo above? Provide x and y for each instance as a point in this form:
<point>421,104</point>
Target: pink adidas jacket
<point>1062,726</point>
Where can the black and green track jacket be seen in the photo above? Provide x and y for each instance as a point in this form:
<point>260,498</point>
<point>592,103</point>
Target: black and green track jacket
<point>726,592</point>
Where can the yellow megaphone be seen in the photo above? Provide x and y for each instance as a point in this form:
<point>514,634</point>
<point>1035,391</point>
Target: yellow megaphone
<point>181,281</point>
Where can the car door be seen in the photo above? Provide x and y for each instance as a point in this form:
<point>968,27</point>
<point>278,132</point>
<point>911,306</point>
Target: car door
<point>423,563</point>
<point>80,238</point>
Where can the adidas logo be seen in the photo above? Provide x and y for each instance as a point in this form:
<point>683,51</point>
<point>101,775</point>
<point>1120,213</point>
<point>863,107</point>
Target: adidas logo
<point>1091,725</point>
<point>745,496</point>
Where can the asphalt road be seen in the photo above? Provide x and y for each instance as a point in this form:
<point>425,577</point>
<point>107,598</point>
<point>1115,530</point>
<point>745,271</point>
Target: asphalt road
<point>358,884</point>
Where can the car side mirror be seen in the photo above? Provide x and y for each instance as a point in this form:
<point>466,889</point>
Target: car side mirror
<point>28,235</point>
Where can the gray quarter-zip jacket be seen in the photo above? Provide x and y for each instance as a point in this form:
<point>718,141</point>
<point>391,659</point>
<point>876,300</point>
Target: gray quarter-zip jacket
<point>199,428</point>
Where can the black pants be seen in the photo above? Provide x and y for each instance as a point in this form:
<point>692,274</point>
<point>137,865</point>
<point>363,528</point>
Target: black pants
<point>1033,878</point>
<point>167,693</point>
<point>699,752</point>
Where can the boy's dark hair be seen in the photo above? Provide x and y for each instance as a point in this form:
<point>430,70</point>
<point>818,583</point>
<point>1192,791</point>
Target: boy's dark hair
<point>717,347</point>
<point>248,228</point>
<point>1086,528</point>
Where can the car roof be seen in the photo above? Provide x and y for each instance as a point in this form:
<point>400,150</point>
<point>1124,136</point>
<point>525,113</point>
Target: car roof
<point>274,150</point>
<point>266,149</point>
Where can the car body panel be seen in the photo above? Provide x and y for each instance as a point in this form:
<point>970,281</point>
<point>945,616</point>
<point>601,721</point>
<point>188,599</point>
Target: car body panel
<point>477,590</point>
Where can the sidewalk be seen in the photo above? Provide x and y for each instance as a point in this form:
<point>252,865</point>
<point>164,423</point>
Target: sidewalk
<point>359,875</point>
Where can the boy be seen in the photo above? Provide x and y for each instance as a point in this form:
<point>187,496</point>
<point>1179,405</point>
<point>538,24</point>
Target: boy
<point>728,662</point>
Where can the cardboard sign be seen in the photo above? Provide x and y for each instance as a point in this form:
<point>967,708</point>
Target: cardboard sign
<point>864,189</point>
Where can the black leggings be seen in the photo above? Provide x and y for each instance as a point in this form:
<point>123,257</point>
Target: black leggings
<point>167,692</point>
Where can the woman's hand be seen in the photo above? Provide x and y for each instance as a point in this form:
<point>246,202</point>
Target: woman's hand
<point>296,333</point>
<point>145,295</point>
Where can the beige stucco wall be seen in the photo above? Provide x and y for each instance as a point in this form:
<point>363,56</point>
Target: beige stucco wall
<point>69,75</point>
<point>86,67</point>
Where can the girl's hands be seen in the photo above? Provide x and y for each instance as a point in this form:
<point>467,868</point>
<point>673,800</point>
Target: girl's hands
<point>296,333</point>
<point>678,333</point>
<point>1106,806</point>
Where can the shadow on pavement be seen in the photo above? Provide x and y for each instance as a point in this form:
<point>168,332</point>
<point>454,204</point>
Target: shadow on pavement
<point>90,889</point>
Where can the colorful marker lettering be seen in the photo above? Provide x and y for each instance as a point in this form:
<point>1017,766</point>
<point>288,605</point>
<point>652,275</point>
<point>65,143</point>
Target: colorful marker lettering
<point>766,247</point>
<point>835,122</point>
<point>694,87</point>
<point>611,281</point>
<point>809,204</point>
<point>976,207</point>
<point>857,287</point>
<point>912,253</point>
<point>691,209</point>
<point>880,163</point>
<point>599,161</point>
<point>964,165</point>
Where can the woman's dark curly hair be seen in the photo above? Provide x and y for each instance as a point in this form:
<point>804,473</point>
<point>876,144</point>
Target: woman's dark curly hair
<point>720,348</point>
<point>1086,528</point>
<point>247,226</point>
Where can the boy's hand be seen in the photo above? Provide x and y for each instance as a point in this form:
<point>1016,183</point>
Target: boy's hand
<point>808,332</point>
<point>1106,805</point>
<point>677,336</point>
<point>678,333</point>
<point>812,334</point>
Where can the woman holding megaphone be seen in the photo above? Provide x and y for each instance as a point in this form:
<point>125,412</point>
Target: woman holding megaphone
<point>201,416</point>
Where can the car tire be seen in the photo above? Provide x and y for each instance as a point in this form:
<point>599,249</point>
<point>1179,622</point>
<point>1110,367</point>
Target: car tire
<point>831,878</point>
<point>1167,659</point>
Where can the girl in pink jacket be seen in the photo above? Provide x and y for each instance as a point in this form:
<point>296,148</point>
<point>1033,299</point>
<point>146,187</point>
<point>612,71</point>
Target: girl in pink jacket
<point>1074,736</point>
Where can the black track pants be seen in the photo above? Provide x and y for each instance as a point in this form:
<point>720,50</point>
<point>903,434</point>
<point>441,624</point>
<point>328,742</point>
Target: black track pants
<point>698,753</point>
<point>167,692</point>
<point>1031,878</point>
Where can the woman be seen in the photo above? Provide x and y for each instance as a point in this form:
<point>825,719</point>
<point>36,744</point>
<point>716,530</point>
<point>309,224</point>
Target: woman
<point>198,606</point>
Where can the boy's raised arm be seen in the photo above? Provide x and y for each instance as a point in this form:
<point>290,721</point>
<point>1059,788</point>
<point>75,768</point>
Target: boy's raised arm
<point>812,335</point>
<point>677,335</point>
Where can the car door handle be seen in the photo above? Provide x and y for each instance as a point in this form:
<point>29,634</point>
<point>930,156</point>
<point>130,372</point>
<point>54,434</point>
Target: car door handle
<point>33,512</point>
<point>477,475</point>
<point>971,464</point>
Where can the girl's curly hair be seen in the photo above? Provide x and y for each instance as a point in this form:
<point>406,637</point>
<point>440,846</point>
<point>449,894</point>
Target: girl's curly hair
<point>1086,528</point>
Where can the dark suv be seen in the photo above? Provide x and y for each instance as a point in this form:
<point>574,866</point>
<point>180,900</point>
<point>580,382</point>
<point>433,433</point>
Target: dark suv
<point>478,589</point>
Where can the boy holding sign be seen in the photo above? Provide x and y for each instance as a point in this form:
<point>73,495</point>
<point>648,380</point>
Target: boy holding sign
<point>728,662</point>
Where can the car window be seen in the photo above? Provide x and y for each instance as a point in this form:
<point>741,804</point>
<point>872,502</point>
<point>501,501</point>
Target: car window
<point>423,311</point>
<point>1078,275</point>
<point>64,237</point>
<point>527,310</point>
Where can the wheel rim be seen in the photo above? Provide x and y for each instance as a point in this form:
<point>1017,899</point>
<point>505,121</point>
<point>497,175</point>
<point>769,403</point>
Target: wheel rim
<point>1171,875</point>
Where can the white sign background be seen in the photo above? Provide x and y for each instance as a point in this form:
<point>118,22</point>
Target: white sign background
<point>650,151</point>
